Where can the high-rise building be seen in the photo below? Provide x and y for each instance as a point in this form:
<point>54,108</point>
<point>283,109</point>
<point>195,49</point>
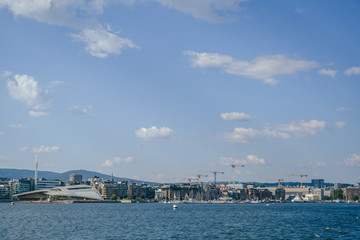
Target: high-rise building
<point>317,183</point>
<point>75,178</point>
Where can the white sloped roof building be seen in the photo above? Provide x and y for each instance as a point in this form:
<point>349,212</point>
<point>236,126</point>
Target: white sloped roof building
<point>66,192</point>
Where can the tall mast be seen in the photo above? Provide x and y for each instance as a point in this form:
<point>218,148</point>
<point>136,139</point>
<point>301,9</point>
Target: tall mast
<point>36,170</point>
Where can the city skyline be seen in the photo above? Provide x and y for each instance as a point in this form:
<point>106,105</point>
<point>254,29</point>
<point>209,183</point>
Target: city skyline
<point>164,90</point>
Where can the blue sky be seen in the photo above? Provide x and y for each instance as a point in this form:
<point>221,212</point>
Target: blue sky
<point>163,90</point>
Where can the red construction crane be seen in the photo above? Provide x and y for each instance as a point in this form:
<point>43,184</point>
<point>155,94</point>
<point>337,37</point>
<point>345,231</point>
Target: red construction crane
<point>190,179</point>
<point>199,176</point>
<point>216,172</point>
<point>233,166</point>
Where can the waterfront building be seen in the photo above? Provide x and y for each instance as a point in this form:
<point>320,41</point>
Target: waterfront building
<point>108,189</point>
<point>280,194</point>
<point>95,180</point>
<point>352,193</point>
<point>318,192</point>
<point>158,194</point>
<point>44,184</point>
<point>4,181</point>
<point>291,192</point>
<point>259,194</point>
<point>185,192</point>
<point>75,178</point>
<point>4,192</point>
<point>337,186</point>
<point>74,192</point>
<point>21,185</point>
<point>237,185</point>
<point>317,183</point>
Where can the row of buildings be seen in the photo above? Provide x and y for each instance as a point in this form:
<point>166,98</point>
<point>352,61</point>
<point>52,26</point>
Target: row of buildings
<point>97,188</point>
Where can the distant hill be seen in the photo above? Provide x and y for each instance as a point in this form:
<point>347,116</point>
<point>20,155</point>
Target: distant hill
<point>24,173</point>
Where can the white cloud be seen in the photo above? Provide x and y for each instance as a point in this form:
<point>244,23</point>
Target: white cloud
<point>2,158</point>
<point>352,71</point>
<point>118,161</point>
<point>242,135</point>
<point>354,160</point>
<point>46,149</point>
<point>62,13</point>
<point>48,165</point>
<point>340,124</point>
<point>250,160</point>
<point>263,68</point>
<point>24,149</point>
<point>212,11</point>
<point>254,160</point>
<point>342,109</point>
<point>299,10</point>
<point>318,164</point>
<point>75,110</point>
<point>25,89</point>
<point>78,14</point>
<point>100,42</point>
<point>17,125</point>
<point>5,74</point>
<point>303,128</point>
<point>155,133</point>
<point>236,116</point>
<point>53,84</point>
<point>328,72</point>
<point>38,114</point>
<point>2,133</point>
<point>300,128</point>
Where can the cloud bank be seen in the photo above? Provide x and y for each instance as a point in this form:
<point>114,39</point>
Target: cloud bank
<point>212,11</point>
<point>300,128</point>
<point>250,160</point>
<point>353,161</point>
<point>77,14</point>
<point>264,68</point>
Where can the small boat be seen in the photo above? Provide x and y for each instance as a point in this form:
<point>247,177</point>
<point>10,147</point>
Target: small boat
<point>175,206</point>
<point>12,203</point>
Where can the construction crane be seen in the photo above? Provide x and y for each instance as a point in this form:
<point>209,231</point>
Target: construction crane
<point>216,172</point>
<point>190,179</point>
<point>301,177</point>
<point>277,179</point>
<point>199,176</point>
<point>233,167</point>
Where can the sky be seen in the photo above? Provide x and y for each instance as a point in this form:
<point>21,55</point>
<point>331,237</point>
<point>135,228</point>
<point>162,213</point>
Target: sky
<point>163,90</point>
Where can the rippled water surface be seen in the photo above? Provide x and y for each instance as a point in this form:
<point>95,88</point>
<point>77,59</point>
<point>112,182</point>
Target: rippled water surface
<point>189,221</point>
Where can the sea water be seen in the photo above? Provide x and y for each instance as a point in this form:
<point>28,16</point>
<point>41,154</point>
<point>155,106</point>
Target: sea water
<point>188,221</point>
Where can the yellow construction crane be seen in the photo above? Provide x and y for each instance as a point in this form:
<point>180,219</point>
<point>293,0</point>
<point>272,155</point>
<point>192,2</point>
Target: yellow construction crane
<point>277,179</point>
<point>301,177</point>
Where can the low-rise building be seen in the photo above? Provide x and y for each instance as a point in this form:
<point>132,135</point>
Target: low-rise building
<point>291,192</point>
<point>44,183</point>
